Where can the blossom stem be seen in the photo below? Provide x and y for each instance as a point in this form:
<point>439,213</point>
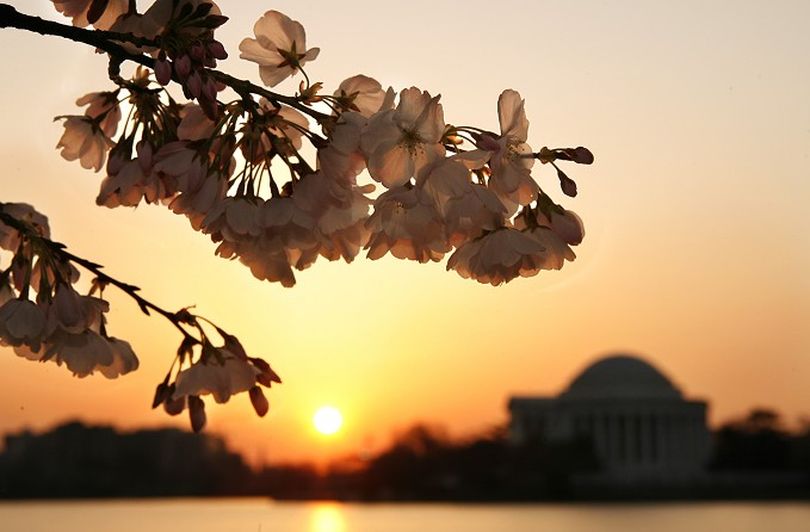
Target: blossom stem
<point>304,72</point>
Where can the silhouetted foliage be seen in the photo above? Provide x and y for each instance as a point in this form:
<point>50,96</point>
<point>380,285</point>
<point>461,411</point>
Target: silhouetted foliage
<point>424,464</point>
<point>74,460</point>
<point>755,442</point>
<point>755,457</point>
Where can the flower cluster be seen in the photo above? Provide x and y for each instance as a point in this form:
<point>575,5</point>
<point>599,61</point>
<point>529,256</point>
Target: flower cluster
<point>218,371</point>
<point>236,169</point>
<point>188,48</point>
<point>42,316</point>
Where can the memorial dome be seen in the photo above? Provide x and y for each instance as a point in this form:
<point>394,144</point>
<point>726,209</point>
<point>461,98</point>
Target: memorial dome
<point>621,376</point>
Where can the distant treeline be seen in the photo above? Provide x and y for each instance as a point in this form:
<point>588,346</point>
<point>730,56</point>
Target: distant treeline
<point>74,460</point>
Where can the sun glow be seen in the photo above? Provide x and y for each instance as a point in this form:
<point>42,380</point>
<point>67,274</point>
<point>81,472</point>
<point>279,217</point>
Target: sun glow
<point>327,420</point>
<point>327,518</point>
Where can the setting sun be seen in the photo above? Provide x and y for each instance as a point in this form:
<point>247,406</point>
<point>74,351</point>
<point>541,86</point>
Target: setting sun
<point>327,420</point>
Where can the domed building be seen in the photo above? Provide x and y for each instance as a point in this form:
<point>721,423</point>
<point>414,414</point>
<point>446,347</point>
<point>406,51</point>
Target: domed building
<point>639,423</point>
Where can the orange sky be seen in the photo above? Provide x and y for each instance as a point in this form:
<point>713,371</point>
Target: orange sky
<point>695,255</point>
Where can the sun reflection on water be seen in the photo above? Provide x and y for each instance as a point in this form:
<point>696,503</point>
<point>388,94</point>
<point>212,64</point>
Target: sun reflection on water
<point>327,517</point>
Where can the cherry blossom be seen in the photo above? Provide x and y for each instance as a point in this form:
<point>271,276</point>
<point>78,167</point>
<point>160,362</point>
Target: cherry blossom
<point>499,257</point>
<point>78,10</point>
<point>158,19</point>
<point>221,380</point>
<point>511,157</point>
<point>400,142</point>
<point>161,13</point>
<point>466,208</point>
<point>82,353</point>
<point>85,141</point>
<point>287,123</point>
<point>233,219</point>
<point>339,213</point>
<point>406,224</point>
<point>198,196</point>
<point>123,186</point>
<point>291,227</point>
<point>266,258</point>
<point>172,163</point>
<point>123,361</point>
<point>23,212</point>
<point>74,313</point>
<point>279,47</point>
<point>46,272</point>
<point>85,353</point>
<point>362,94</point>
<point>103,107</point>
<point>342,158</point>
<point>21,322</point>
<point>272,128</point>
<point>556,249</point>
<point>68,331</point>
<point>194,124</point>
<point>568,226</point>
<point>150,176</point>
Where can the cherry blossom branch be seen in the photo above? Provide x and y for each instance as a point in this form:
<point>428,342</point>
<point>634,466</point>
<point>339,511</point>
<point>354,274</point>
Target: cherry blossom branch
<point>76,332</point>
<point>178,153</point>
<point>105,40</point>
<point>60,250</point>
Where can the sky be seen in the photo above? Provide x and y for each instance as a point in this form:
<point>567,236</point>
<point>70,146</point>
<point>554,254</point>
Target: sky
<point>696,253</point>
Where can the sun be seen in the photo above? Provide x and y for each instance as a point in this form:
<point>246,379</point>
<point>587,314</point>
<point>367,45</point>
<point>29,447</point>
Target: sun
<point>327,420</point>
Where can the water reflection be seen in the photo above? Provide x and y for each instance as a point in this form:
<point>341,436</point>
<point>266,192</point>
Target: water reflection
<point>327,517</point>
<point>259,515</point>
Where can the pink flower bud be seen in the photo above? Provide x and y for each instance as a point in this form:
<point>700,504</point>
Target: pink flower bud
<point>162,392</point>
<point>197,52</point>
<point>259,401</point>
<point>163,71</point>
<point>174,407</point>
<point>488,142</point>
<point>568,185</point>
<point>209,90</point>
<point>194,85</point>
<point>216,49</point>
<point>183,66</point>
<point>196,412</point>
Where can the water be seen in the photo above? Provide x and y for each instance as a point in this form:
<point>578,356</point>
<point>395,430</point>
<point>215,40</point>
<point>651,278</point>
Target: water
<point>261,515</point>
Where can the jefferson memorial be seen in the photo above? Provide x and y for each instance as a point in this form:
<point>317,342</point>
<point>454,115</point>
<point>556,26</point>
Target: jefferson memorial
<point>639,423</point>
